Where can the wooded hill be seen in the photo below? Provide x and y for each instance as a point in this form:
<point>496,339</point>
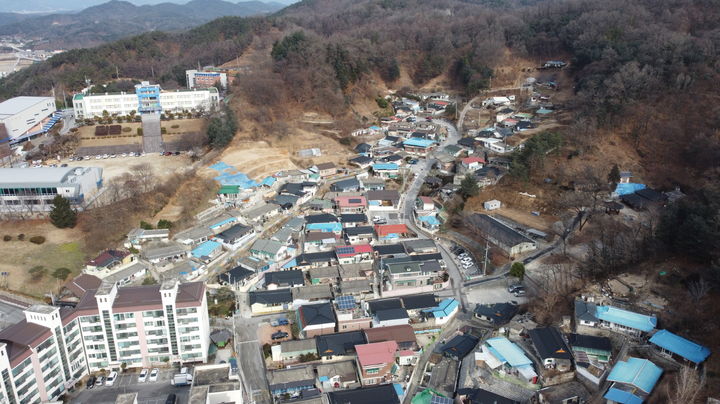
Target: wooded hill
<point>119,19</point>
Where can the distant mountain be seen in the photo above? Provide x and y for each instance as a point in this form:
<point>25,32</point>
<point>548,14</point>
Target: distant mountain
<point>9,18</point>
<point>54,6</point>
<point>117,19</point>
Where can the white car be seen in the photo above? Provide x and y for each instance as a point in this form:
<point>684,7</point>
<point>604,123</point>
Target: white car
<point>98,157</point>
<point>105,156</point>
<point>112,156</point>
<point>142,377</point>
<point>154,374</point>
<point>124,155</point>
<point>111,378</point>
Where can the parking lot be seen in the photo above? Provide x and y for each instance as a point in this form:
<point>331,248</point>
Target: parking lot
<point>148,392</point>
<point>494,291</point>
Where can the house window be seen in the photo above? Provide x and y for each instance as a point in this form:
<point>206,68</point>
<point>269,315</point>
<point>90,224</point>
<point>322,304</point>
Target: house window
<point>372,371</point>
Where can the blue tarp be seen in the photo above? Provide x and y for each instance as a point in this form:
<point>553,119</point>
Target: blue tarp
<point>268,181</point>
<point>384,166</point>
<point>419,142</point>
<point>230,176</point>
<point>628,188</point>
<point>680,346</point>
<point>290,264</point>
<point>223,222</point>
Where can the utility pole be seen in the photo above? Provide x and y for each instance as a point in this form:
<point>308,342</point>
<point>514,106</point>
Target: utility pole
<point>117,72</point>
<point>485,259</point>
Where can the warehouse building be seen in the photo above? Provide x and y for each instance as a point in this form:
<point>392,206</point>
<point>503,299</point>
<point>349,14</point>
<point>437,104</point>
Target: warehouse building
<point>31,190</point>
<point>147,98</point>
<point>22,117</point>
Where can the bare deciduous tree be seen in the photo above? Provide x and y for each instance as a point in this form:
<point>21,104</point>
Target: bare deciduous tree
<point>698,289</point>
<point>688,384</point>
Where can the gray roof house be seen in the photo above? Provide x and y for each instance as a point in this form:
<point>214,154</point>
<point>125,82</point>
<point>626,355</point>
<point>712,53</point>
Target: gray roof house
<point>503,236</point>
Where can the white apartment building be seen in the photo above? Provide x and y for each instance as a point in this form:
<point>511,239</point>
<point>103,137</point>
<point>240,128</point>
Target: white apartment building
<point>49,351</point>
<point>146,98</point>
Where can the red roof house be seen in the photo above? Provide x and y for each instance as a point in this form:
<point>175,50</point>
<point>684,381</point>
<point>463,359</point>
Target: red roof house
<point>376,362</point>
<point>389,231</point>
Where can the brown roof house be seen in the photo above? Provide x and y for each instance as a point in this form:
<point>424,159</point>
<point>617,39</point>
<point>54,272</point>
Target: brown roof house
<point>326,169</point>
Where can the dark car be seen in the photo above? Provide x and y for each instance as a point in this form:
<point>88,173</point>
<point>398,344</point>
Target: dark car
<point>412,161</point>
<point>171,399</point>
<point>283,321</point>
<point>428,119</point>
<point>90,383</point>
<point>514,288</point>
<point>279,335</point>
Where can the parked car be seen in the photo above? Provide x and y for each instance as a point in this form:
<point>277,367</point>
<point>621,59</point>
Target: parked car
<point>100,381</point>
<point>512,288</point>
<point>142,377</point>
<point>429,119</point>
<point>519,292</point>
<point>279,335</point>
<point>412,161</point>
<point>90,382</point>
<point>283,321</point>
<point>171,399</point>
<point>63,165</point>
<point>111,378</point>
<point>154,374</point>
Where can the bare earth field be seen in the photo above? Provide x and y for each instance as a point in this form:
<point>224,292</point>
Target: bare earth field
<point>62,249</point>
<point>162,166</point>
<point>88,138</point>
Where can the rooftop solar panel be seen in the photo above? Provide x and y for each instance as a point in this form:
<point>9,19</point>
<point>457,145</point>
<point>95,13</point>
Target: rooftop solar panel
<point>345,302</point>
<point>440,400</point>
<point>346,250</point>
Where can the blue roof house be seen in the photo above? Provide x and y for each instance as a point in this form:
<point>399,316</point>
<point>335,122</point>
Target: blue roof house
<point>670,344</point>
<point>633,381</point>
<point>207,251</point>
<point>625,321</point>
<point>444,311</point>
<point>418,145</point>
<point>334,227</point>
<point>385,170</point>
<point>505,357</point>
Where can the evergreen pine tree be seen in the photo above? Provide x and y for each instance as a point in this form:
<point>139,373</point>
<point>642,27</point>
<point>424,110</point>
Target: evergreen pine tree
<point>62,215</point>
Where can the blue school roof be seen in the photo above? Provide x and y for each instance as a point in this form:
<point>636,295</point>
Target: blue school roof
<point>626,318</point>
<point>384,166</point>
<point>629,188</point>
<point>444,309</point>
<point>637,372</point>
<point>680,346</point>
<point>419,142</point>
<point>506,351</point>
<point>205,249</point>
<point>326,227</point>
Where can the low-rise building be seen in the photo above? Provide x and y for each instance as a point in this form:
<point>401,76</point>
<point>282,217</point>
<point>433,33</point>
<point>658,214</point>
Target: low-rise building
<point>385,170</point>
<point>353,220</point>
<point>268,250</point>
<point>291,381</point>
<point>284,279</point>
<point>381,394</point>
<point>359,234</point>
<point>672,344</point>
<point>350,315</point>
<point>551,348</point>
<point>354,254</point>
<point>311,293</point>
<point>506,357</point>
<point>270,301</point>
<point>166,252</point>
<point>390,317</point>
<point>291,351</point>
<point>384,200</point>
<point>326,169</point>
<point>598,349</point>
<point>207,251</point>
<point>351,204</point>
<point>316,319</point>
<point>136,237</point>
<point>376,362</point>
<point>348,185</point>
<point>323,275</point>
<point>443,312</point>
<point>509,240</point>
<point>337,376</point>
<point>413,275</point>
<point>236,236</point>
<point>339,346</point>
<point>403,335</point>
<point>632,381</point>
<point>591,315</point>
<point>390,232</point>
<point>107,260</point>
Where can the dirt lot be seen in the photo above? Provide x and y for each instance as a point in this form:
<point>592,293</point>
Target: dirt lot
<point>162,166</point>
<point>62,249</point>
<point>265,332</point>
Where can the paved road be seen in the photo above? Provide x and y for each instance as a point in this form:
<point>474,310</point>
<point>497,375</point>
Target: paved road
<point>252,362</point>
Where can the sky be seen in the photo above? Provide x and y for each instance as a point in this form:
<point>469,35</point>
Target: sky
<point>45,6</point>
